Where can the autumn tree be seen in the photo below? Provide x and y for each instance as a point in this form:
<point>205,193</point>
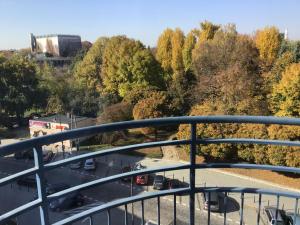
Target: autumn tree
<point>283,155</point>
<point>212,151</point>
<point>207,31</point>
<point>177,42</point>
<point>227,70</point>
<point>189,45</point>
<point>121,111</point>
<point>137,94</point>
<point>286,94</point>
<point>268,42</point>
<point>127,64</point>
<point>164,52</point>
<point>152,107</point>
<point>252,152</point>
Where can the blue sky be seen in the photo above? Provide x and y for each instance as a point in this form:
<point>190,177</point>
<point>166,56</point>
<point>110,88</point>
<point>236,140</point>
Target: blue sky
<point>143,20</point>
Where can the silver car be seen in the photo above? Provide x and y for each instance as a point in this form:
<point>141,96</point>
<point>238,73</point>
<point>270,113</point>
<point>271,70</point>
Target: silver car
<point>90,164</point>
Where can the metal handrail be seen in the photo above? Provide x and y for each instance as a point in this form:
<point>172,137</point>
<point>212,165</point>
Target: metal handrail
<point>40,168</point>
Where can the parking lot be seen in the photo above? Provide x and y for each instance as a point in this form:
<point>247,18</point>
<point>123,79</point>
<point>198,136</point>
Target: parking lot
<point>15,195</point>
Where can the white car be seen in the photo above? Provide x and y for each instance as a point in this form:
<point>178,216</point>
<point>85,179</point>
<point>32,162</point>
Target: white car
<point>90,164</point>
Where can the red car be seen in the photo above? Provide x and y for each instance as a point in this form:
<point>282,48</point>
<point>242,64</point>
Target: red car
<point>142,179</point>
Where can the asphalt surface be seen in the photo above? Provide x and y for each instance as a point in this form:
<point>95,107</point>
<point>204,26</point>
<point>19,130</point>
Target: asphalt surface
<point>13,195</point>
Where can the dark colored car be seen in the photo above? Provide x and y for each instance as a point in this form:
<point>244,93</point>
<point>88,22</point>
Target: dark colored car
<point>66,202</point>
<point>27,181</point>
<point>126,169</point>
<point>53,188</point>
<point>142,179</point>
<point>214,202</point>
<point>159,182</point>
<point>175,183</point>
<point>26,154</point>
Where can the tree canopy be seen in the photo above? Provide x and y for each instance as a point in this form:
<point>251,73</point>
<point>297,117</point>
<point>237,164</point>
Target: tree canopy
<point>268,42</point>
<point>128,64</point>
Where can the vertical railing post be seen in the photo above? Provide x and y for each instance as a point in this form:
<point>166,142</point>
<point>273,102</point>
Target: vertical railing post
<point>295,211</point>
<point>277,210</point>
<point>192,172</point>
<point>242,209</point>
<point>259,208</point>
<point>41,184</point>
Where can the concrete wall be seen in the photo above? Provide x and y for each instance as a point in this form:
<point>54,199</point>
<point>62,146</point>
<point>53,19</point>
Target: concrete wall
<point>48,45</point>
<point>59,45</point>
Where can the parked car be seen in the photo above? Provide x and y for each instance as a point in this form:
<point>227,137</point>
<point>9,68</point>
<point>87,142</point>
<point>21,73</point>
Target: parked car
<point>290,219</point>
<point>139,166</point>
<point>175,183</point>
<point>26,154</point>
<point>27,181</point>
<point>66,202</point>
<point>142,179</point>
<point>126,169</point>
<point>53,188</point>
<point>159,182</point>
<point>90,164</point>
<point>47,156</point>
<point>214,202</point>
<point>270,213</point>
<point>76,165</point>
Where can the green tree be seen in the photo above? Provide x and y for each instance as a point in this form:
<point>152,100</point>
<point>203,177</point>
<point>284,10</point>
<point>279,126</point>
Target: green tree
<point>189,45</point>
<point>268,42</point>
<point>88,71</point>
<point>19,76</point>
<point>127,64</point>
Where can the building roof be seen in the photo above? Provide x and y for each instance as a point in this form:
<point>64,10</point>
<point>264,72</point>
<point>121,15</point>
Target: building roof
<point>56,35</point>
<point>58,118</point>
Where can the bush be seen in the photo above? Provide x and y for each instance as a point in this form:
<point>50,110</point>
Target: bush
<point>215,151</point>
<point>284,155</point>
<point>114,113</point>
<point>151,107</point>
<point>252,152</point>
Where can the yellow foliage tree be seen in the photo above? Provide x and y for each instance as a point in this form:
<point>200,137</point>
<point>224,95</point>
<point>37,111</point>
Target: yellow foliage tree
<point>268,42</point>
<point>284,155</point>
<point>207,31</point>
<point>164,50</point>
<point>177,42</point>
<point>189,45</point>
<point>215,151</point>
<point>286,94</point>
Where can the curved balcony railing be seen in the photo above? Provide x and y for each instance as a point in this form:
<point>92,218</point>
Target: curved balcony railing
<point>42,202</point>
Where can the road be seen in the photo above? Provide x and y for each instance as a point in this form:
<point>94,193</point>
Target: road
<point>12,195</point>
